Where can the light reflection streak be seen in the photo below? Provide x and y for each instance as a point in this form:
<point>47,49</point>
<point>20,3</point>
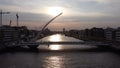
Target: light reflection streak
<point>55,47</point>
<point>54,62</point>
<point>55,38</point>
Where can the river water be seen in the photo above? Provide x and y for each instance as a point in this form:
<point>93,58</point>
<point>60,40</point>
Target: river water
<point>54,56</point>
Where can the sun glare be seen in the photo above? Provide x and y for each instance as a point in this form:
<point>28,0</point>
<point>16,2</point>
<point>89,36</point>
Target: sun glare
<point>54,10</point>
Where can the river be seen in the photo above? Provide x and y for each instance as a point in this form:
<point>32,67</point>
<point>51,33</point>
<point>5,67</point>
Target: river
<point>54,56</point>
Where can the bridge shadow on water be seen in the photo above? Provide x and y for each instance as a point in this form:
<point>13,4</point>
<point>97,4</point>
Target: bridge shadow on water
<point>28,50</point>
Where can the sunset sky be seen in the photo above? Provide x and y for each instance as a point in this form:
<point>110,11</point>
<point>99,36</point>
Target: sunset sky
<point>77,14</point>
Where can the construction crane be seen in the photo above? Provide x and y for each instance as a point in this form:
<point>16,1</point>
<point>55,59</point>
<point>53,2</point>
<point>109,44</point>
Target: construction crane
<point>1,13</point>
<point>17,16</point>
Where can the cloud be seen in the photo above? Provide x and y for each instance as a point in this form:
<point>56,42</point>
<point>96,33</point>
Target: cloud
<point>78,12</point>
<point>101,1</point>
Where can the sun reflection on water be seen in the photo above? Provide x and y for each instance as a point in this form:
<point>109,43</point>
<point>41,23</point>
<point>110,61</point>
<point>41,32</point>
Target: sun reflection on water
<point>55,47</point>
<point>54,62</point>
<point>55,38</point>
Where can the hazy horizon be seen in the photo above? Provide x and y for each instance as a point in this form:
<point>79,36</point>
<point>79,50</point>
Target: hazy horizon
<point>77,14</point>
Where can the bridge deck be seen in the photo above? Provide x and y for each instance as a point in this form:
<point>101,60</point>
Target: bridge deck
<point>63,43</point>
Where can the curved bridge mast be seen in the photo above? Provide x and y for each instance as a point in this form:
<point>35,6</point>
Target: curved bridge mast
<point>46,26</point>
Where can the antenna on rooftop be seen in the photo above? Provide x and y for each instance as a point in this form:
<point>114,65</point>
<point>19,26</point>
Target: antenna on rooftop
<point>10,22</point>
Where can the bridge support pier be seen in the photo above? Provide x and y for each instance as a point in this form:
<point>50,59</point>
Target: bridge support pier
<point>33,46</point>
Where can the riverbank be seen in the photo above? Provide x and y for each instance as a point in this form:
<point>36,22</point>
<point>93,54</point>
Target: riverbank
<point>114,44</point>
